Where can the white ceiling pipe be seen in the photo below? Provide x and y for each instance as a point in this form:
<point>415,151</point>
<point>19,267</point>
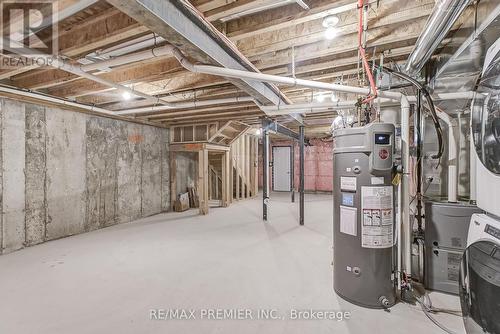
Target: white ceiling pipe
<point>452,158</point>
<point>319,107</point>
<point>55,19</point>
<point>60,64</point>
<point>51,99</point>
<point>182,105</point>
<point>130,58</point>
<point>406,228</point>
<point>451,96</point>
<point>230,73</point>
<point>80,71</point>
<point>131,46</point>
<point>77,70</point>
<point>312,107</point>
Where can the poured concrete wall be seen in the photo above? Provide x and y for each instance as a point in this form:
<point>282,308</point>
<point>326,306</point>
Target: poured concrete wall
<point>186,167</point>
<point>64,173</point>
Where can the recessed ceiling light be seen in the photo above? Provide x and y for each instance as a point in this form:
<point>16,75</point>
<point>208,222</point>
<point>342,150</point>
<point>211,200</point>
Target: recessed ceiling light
<point>330,21</point>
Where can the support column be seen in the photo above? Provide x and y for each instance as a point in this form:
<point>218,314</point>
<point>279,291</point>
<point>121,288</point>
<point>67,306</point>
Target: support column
<point>265,171</point>
<point>226,178</point>
<point>173,179</point>
<point>203,180</point>
<point>301,177</point>
<point>255,163</point>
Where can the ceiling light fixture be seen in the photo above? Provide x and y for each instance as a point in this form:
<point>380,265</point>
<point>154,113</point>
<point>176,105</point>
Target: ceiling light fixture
<point>331,33</point>
<point>126,96</point>
<point>330,21</point>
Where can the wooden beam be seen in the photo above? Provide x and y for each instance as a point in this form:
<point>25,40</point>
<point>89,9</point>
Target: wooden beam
<point>313,31</point>
<point>126,75</point>
<point>288,16</point>
<point>196,111</point>
<point>173,178</point>
<point>110,27</point>
<point>180,25</point>
<point>385,37</point>
<point>203,181</point>
<point>240,114</point>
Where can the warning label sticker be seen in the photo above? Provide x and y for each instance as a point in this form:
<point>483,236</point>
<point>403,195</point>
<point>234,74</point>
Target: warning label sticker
<point>377,230</point>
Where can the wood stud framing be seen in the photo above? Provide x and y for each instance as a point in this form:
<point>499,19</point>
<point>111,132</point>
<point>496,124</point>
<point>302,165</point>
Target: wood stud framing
<point>238,169</point>
<point>265,38</point>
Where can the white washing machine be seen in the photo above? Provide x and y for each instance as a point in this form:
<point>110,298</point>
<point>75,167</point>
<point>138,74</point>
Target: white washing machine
<point>479,279</point>
<point>483,228</point>
<point>485,116</point>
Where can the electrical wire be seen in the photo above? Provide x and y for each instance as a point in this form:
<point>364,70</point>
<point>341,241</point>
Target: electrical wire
<point>428,309</point>
<point>427,96</point>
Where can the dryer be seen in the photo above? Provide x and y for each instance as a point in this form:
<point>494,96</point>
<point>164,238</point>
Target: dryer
<point>479,279</point>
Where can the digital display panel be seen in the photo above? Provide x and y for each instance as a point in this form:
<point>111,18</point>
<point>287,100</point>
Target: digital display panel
<point>492,231</point>
<point>347,199</point>
<point>382,139</point>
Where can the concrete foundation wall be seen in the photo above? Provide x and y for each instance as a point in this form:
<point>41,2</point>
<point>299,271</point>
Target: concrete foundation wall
<point>186,166</point>
<point>64,173</point>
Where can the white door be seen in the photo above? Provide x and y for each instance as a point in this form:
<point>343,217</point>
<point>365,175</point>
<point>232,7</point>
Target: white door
<point>282,169</point>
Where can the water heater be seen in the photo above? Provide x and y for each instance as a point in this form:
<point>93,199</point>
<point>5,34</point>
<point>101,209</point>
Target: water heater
<point>363,223</point>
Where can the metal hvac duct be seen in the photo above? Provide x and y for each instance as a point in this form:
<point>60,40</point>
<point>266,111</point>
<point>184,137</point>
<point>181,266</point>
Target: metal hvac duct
<point>445,13</point>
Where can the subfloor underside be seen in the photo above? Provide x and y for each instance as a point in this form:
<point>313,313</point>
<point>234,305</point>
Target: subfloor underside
<point>109,281</point>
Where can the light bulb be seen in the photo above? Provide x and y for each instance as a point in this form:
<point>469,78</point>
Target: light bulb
<point>126,96</point>
<point>330,33</point>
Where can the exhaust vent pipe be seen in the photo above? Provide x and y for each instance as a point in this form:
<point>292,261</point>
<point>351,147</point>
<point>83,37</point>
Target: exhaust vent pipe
<point>444,15</point>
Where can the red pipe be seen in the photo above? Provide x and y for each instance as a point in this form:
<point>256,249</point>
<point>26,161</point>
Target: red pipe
<point>362,54</point>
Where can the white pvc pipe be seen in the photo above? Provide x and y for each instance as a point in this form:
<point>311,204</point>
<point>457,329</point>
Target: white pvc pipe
<point>261,77</point>
<point>406,228</point>
<point>130,58</point>
<point>139,43</point>
<point>50,99</point>
<point>452,158</point>
<point>314,106</point>
<point>182,105</point>
<point>399,242</point>
<point>80,70</point>
<point>472,159</point>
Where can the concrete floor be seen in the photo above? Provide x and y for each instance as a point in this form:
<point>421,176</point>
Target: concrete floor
<point>107,281</point>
